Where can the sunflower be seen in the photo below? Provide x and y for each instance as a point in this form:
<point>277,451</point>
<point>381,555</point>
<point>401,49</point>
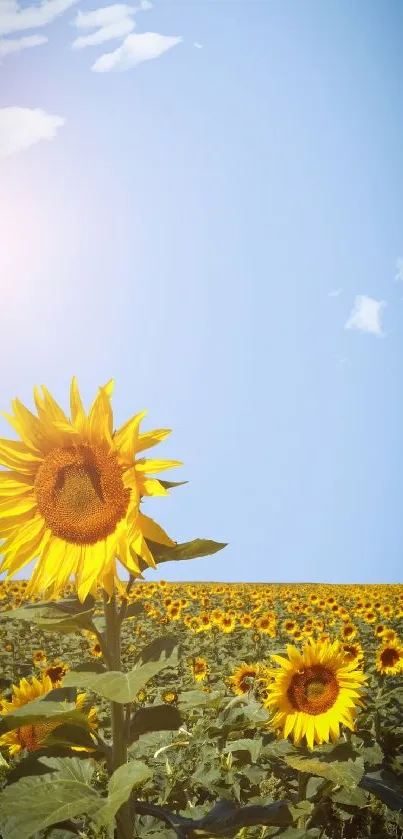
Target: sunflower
<point>32,737</point>
<point>349,632</point>
<point>243,678</point>
<point>353,652</point>
<point>95,650</point>
<point>199,668</point>
<point>227,623</point>
<point>39,657</point>
<point>313,692</point>
<point>71,492</point>
<point>389,659</point>
<point>56,671</point>
<point>169,696</point>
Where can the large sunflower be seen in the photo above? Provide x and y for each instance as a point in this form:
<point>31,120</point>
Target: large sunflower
<point>313,692</point>
<point>71,494</point>
<point>31,737</point>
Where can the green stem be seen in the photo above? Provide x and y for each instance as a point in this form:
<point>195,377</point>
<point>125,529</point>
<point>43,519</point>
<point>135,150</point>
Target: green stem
<point>302,788</point>
<point>119,744</point>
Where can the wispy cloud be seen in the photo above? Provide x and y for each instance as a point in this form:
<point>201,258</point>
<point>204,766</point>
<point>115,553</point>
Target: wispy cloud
<point>11,45</point>
<point>16,18</point>
<point>111,22</point>
<point>399,270</point>
<point>21,128</point>
<point>366,315</point>
<point>197,45</point>
<point>336,292</point>
<point>135,49</point>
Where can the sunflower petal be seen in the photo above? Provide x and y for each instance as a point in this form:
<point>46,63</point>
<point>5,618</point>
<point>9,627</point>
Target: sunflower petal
<point>153,531</point>
<point>151,438</point>
<point>144,465</point>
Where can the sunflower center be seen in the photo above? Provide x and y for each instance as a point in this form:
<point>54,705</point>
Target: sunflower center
<point>389,657</point>
<point>80,493</point>
<point>314,690</point>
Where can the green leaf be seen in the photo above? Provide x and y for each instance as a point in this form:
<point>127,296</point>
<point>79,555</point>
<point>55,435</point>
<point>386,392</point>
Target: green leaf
<point>344,773</point>
<point>189,699</point>
<point>133,610</point>
<point>159,649</point>
<point>378,787</point>
<point>124,687</point>
<point>172,484</point>
<point>35,803</point>
<point>154,718</point>
<point>186,550</point>
<point>227,817</point>
<point>69,734</point>
<point>38,710</point>
<point>64,616</point>
<point>121,784</point>
<point>245,745</point>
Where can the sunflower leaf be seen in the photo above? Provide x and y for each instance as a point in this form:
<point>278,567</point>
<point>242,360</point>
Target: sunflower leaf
<point>172,484</point>
<point>186,550</point>
<point>62,616</point>
<point>344,773</point>
<point>121,784</point>
<point>35,803</point>
<point>124,687</point>
<point>41,709</point>
<point>154,718</point>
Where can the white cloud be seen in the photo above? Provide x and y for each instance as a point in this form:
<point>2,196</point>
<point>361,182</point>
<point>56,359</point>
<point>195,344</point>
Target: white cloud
<point>399,270</point>
<point>112,22</point>
<point>21,128</point>
<point>106,33</point>
<point>135,49</point>
<point>366,315</point>
<point>14,18</point>
<point>10,45</point>
<point>335,293</point>
<point>197,45</point>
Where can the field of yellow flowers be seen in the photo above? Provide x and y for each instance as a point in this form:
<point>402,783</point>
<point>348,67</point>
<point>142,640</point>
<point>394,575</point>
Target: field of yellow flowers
<point>282,695</point>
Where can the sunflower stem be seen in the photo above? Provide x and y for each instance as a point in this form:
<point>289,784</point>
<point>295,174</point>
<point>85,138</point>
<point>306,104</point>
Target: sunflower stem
<point>119,744</point>
<point>302,789</point>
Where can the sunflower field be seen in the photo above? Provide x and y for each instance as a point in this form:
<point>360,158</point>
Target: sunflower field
<point>252,710</point>
<point>135,709</point>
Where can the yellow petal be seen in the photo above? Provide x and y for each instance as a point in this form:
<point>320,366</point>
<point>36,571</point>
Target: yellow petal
<point>141,548</point>
<point>14,506</point>
<point>13,453</point>
<point>150,486</point>
<point>28,552</point>
<point>144,465</point>
<point>78,416</point>
<point>125,439</point>
<point>151,438</point>
<point>151,530</point>
<point>100,419</point>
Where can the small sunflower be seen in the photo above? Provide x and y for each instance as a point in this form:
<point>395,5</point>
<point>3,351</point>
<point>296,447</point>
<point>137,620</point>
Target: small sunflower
<point>227,623</point>
<point>56,671</point>
<point>169,696</point>
<point>39,657</point>
<point>199,668</point>
<point>389,659</point>
<point>349,632</point>
<point>32,737</point>
<point>353,652</point>
<point>71,493</point>
<point>243,678</point>
<point>314,692</point>
<point>95,650</point>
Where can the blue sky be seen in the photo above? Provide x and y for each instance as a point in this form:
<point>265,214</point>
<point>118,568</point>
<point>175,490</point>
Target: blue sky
<point>219,229</point>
